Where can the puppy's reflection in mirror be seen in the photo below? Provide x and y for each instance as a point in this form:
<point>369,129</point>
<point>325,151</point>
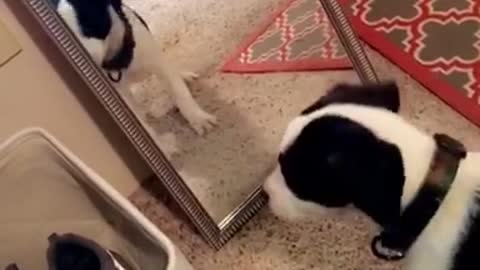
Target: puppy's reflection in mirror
<point>119,40</point>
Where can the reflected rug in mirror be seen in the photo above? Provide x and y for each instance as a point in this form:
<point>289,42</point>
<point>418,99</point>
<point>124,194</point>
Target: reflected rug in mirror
<point>436,41</point>
<point>298,37</point>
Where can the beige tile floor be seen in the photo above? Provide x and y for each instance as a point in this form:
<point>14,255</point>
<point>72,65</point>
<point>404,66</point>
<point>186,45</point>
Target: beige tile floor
<point>267,243</point>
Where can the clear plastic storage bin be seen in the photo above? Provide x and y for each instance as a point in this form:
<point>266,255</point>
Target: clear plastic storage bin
<point>46,189</point>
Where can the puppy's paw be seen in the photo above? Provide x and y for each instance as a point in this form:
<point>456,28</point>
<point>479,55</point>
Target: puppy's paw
<point>201,121</point>
<point>168,144</point>
<point>189,76</point>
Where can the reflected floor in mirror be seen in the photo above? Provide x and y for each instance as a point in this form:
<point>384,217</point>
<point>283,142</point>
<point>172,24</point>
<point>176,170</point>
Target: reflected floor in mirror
<point>223,167</point>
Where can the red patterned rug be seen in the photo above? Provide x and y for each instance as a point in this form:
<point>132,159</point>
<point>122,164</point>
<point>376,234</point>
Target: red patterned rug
<point>436,41</point>
<point>297,37</point>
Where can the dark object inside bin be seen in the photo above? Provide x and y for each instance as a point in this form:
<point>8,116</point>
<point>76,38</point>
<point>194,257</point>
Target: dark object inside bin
<point>11,267</point>
<point>74,252</point>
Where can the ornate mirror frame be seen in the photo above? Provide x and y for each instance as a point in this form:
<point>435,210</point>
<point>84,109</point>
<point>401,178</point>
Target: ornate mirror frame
<point>215,234</point>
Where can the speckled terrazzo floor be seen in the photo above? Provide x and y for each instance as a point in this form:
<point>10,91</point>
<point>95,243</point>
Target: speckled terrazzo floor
<point>253,110</point>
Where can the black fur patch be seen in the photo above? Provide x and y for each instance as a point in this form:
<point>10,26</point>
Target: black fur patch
<point>466,258</point>
<point>93,17</point>
<point>379,95</point>
<point>72,256</point>
<point>335,161</point>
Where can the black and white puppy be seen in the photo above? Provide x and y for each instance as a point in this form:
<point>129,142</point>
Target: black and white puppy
<point>118,40</point>
<point>352,148</point>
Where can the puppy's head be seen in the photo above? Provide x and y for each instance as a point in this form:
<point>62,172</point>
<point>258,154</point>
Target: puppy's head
<point>340,151</point>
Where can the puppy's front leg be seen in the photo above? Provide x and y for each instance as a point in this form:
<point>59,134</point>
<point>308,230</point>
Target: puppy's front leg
<point>200,120</point>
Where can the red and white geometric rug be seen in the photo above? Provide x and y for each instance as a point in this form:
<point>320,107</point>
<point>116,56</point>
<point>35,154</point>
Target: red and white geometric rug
<point>298,37</point>
<point>436,41</point>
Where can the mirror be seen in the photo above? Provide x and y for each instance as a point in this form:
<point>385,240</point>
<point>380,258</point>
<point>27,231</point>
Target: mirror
<point>166,72</point>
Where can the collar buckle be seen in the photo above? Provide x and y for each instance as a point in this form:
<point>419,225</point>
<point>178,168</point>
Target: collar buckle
<point>383,252</point>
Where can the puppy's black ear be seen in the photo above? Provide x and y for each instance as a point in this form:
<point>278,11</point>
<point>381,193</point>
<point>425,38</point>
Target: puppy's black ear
<point>383,95</point>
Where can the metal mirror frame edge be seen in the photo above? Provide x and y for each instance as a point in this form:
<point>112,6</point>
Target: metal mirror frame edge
<point>217,235</point>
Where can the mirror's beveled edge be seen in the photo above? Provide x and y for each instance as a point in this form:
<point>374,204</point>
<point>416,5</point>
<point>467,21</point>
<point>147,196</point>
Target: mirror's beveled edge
<point>215,234</point>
